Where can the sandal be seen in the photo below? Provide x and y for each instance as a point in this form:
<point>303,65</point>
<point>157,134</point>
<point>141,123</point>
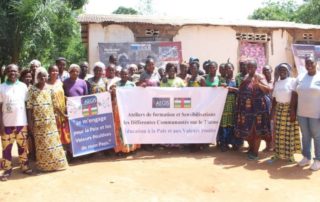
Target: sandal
<point>29,171</point>
<point>5,176</point>
<point>252,157</point>
<point>292,160</point>
<point>273,159</point>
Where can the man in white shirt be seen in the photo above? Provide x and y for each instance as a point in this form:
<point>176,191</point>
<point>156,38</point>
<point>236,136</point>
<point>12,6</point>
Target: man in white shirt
<point>13,121</point>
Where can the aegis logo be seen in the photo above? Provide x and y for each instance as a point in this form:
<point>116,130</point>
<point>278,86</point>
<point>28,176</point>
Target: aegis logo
<point>160,102</point>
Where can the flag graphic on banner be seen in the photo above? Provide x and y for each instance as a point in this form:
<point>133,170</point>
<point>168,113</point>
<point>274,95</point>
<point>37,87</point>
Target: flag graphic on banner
<point>89,106</point>
<point>182,102</point>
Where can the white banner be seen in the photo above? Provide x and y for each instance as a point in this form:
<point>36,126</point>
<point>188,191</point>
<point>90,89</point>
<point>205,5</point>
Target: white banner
<point>170,115</point>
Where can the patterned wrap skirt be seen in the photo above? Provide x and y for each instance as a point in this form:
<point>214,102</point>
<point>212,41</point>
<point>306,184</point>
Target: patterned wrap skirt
<point>287,133</point>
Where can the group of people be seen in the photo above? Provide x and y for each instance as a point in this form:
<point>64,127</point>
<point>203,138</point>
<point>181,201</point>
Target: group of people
<point>33,106</point>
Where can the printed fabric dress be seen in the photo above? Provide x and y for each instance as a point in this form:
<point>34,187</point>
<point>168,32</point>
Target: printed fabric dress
<point>62,122</point>
<point>226,130</point>
<point>120,146</point>
<point>50,155</point>
<point>252,111</point>
<point>97,87</point>
<point>287,133</point>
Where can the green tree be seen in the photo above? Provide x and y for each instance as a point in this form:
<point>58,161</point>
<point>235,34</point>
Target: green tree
<point>42,29</point>
<point>125,10</point>
<point>276,10</point>
<point>309,12</point>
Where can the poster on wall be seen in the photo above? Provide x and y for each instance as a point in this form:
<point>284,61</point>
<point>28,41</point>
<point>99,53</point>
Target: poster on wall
<point>254,50</point>
<point>91,123</point>
<point>170,115</point>
<point>128,53</point>
<point>300,51</point>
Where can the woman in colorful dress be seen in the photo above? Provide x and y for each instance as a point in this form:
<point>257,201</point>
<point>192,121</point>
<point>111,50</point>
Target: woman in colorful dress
<point>97,84</point>
<point>267,71</point>
<point>121,149</point>
<point>253,120</point>
<point>287,134</point>
<point>226,131</point>
<point>62,121</point>
<point>242,71</point>
<point>41,102</point>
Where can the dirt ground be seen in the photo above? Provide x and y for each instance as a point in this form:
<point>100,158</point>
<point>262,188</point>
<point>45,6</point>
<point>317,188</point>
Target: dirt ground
<point>167,175</point>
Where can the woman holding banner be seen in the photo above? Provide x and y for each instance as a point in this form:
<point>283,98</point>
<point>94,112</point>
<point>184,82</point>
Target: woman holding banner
<point>195,81</point>
<point>253,120</point>
<point>120,147</point>
<point>149,77</point>
<point>171,80</point>
<point>40,104</point>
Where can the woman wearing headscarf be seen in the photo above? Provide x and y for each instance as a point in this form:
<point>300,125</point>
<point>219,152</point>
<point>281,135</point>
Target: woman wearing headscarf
<point>308,111</point>
<point>41,118</point>
<point>97,84</point>
<point>287,134</point>
<point>253,120</point>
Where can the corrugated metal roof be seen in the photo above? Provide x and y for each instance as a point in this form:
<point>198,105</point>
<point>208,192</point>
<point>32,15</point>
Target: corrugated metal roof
<point>179,21</point>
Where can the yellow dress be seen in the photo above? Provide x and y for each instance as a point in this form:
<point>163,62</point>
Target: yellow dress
<point>62,122</point>
<point>49,152</point>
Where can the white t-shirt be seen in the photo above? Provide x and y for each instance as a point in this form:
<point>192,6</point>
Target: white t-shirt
<point>283,89</point>
<point>13,98</point>
<point>308,89</point>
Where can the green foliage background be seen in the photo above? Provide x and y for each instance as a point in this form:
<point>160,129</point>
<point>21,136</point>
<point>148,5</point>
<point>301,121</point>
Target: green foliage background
<point>289,10</point>
<point>40,29</point>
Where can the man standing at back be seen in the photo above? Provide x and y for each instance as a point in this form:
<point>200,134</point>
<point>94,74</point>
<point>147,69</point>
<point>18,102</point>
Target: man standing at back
<point>13,121</point>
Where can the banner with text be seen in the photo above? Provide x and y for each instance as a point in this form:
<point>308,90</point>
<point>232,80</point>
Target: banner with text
<point>300,51</point>
<point>91,123</point>
<point>170,115</point>
<point>128,53</point>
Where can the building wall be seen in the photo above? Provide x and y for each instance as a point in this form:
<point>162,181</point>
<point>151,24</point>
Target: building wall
<point>208,42</point>
<point>107,34</point>
<point>217,43</point>
<point>279,48</point>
